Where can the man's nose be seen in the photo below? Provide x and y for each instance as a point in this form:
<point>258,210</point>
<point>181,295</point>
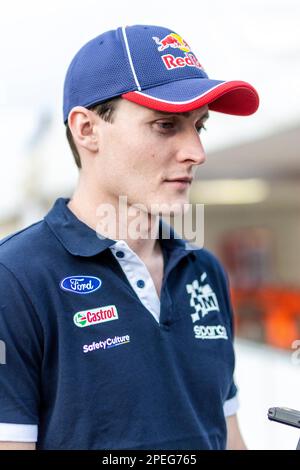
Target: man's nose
<point>192,150</point>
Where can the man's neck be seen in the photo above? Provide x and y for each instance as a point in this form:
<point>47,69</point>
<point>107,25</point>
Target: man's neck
<point>113,221</point>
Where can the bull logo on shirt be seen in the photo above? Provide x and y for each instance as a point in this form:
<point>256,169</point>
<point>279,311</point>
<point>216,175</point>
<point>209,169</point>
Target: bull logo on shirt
<point>202,298</point>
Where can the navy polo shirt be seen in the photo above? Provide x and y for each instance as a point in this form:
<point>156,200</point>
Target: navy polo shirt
<point>90,364</point>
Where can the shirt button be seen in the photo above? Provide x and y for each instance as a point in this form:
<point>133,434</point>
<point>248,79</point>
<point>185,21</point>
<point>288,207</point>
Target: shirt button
<point>120,254</point>
<point>140,283</point>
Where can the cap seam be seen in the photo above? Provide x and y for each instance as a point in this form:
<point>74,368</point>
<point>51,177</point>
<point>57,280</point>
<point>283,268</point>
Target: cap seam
<point>126,59</point>
<point>129,57</point>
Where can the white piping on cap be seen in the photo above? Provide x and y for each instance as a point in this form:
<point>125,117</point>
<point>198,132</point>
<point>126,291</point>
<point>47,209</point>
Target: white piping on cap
<point>130,58</point>
<point>181,102</point>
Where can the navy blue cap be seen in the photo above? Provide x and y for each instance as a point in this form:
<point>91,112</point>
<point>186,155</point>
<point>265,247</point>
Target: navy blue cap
<point>154,67</point>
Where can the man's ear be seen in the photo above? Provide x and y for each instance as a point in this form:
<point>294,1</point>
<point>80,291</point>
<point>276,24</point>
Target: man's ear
<point>82,124</point>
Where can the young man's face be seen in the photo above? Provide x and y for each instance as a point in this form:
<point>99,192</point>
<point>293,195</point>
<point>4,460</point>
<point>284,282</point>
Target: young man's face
<point>149,156</point>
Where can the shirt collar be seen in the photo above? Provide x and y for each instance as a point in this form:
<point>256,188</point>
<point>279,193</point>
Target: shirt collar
<point>77,237</point>
<point>81,240</point>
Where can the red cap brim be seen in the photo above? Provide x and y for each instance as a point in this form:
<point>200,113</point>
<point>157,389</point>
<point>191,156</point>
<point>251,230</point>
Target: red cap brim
<point>233,97</point>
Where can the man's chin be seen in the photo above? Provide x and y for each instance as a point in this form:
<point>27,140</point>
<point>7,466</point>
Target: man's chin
<point>167,209</point>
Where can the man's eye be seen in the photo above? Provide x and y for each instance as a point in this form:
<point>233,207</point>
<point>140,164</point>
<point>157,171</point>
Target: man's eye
<point>200,128</point>
<point>165,125</point>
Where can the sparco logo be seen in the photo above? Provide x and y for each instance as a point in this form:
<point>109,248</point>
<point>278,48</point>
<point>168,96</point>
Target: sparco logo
<point>210,332</point>
<point>96,315</point>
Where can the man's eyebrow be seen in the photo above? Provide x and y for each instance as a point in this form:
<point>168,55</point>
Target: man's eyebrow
<point>185,114</point>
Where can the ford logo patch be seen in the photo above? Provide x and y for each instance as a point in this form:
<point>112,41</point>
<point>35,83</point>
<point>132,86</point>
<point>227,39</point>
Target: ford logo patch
<point>81,284</point>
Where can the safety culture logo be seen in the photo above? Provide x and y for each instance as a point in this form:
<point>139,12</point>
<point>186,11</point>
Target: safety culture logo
<point>203,300</point>
<point>107,343</point>
<point>174,41</point>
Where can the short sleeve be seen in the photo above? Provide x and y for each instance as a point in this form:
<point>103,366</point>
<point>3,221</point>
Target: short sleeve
<point>21,336</point>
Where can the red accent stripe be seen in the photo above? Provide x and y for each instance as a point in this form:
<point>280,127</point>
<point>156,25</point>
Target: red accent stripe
<point>235,97</point>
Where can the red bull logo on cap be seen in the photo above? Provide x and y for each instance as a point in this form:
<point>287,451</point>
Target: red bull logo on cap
<point>189,60</point>
<point>176,42</point>
<point>172,40</point>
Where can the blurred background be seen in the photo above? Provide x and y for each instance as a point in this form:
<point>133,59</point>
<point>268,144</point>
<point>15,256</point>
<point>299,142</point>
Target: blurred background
<point>250,184</point>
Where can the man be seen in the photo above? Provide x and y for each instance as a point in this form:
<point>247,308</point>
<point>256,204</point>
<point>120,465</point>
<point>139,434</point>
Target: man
<point>115,341</point>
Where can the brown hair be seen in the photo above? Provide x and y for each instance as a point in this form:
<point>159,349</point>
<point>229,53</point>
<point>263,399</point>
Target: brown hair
<point>105,110</point>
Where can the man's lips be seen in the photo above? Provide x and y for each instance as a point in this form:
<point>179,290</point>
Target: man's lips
<point>180,183</point>
<point>184,179</point>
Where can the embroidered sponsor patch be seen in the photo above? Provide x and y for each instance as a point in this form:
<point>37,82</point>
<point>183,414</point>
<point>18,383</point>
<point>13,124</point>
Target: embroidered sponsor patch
<point>81,284</point>
<point>174,41</point>
<point>202,298</point>
<point>95,316</point>
<point>107,343</point>
<point>210,332</point>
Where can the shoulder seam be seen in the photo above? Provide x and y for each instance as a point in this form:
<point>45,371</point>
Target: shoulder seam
<point>9,237</point>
